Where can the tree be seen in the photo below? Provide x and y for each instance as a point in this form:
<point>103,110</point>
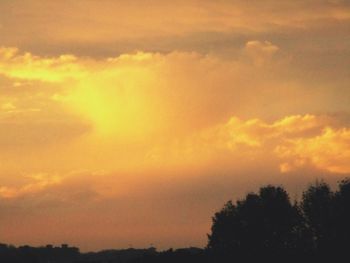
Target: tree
<point>318,210</point>
<point>261,224</point>
<point>341,215</point>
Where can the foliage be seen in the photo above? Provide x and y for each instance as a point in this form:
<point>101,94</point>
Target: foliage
<point>266,225</point>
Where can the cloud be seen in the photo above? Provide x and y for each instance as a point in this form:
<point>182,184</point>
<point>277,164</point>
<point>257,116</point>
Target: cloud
<point>291,143</point>
<point>295,142</point>
<point>29,67</point>
<point>141,102</point>
<point>121,95</point>
<point>113,22</point>
<point>260,52</point>
<point>8,107</point>
<point>303,140</point>
<point>41,183</point>
<point>329,151</point>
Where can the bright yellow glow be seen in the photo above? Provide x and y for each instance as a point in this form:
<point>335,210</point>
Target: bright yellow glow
<point>114,101</point>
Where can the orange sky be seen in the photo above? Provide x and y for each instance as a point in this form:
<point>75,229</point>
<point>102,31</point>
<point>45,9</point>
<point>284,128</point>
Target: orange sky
<point>131,122</point>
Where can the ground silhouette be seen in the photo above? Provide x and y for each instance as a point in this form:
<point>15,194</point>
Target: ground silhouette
<point>261,227</point>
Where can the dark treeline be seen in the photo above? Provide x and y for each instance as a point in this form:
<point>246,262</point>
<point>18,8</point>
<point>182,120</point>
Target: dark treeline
<point>267,226</point>
<point>49,253</point>
<point>262,227</point>
<point>67,254</point>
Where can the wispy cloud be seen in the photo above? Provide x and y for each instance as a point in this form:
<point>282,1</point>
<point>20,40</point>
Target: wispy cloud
<point>40,182</point>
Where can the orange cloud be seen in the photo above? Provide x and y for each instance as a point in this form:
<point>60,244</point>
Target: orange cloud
<point>260,52</point>
<point>112,22</point>
<point>41,183</point>
<point>8,107</point>
<point>303,140</point>
<point>29,67</point>
<point>329,151</point>
<point>154,109</point>
<point>296,141</point>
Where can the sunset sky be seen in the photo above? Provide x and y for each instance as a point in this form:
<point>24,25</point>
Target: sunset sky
<point>129,123</point>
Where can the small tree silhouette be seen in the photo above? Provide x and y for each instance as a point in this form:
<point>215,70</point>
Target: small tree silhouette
<point>342,218</point>
<point>318,210</point>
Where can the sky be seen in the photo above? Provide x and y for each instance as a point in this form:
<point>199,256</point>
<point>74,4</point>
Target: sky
<point>130,123</point>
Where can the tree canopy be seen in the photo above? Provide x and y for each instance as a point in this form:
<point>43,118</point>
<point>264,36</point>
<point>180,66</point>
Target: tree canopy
<point>268,225</point>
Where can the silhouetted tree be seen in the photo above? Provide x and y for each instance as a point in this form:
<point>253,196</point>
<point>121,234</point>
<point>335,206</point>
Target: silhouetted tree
<point>225,237</point>
<point>341,214</point>
<point>267,226</point>
<point>327,217</point>
<point>264,224</point>
<point>318,210</point>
